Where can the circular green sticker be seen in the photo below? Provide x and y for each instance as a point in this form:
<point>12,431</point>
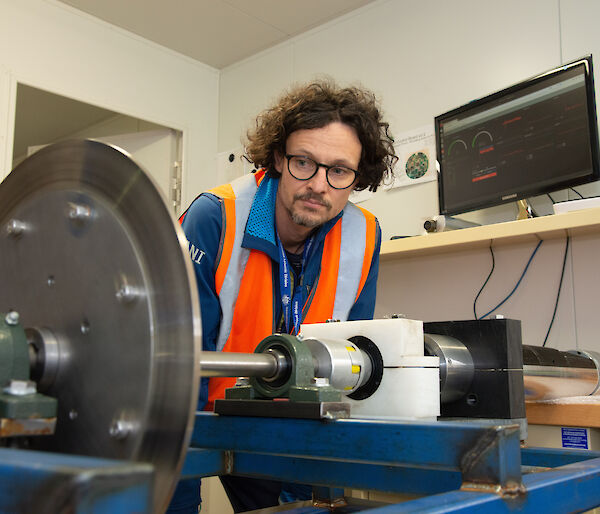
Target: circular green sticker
<point>417,165</point>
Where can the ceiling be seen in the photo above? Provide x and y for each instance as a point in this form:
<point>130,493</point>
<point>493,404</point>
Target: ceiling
<point>217,32</point>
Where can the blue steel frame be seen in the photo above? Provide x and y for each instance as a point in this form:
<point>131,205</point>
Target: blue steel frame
<point>466,466</point>
<point>43,482</point>
<point>452,466</point>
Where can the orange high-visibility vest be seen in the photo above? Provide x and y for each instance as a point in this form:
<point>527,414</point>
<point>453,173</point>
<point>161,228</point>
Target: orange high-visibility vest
<point>244,277</point>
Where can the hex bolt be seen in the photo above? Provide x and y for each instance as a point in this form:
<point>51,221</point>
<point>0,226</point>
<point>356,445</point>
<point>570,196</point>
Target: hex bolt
<point>20,388</point>
<point>320,381</point>
<point>242,381</point>
<point>127,293</point>
<point>85,327</point>
<point>12,318</point>
<point>78,212</point>
<point>120,429</point>
<point>15,227</point>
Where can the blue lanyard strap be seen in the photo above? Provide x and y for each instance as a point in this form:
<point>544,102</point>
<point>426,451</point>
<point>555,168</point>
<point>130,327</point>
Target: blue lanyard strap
<point>292,298</point>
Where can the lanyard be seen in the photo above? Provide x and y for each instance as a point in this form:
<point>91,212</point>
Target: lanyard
<point>292,301</point>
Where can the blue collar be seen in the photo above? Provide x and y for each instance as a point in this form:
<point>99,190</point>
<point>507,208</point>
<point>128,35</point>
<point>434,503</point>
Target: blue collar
<point>260,227</point>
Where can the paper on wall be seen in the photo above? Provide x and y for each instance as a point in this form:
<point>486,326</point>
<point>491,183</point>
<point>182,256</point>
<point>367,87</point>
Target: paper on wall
<point>416,158</point>
<point>416,162</point>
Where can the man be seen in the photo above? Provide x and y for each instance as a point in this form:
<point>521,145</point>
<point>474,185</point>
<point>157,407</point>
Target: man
<point>284,246</point>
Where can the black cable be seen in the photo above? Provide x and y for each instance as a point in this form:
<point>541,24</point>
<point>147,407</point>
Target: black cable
<point>518,282</point>
<point>586,197</point>
<point>551,199</point>
<point>576,192</point>
<point>530,208</point>
<point>485,283</point>
<point>562,274</point>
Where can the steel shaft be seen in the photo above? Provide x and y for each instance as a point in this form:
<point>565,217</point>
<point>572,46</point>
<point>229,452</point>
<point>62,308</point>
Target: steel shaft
<point>231,364</point>
<point>552,382</point>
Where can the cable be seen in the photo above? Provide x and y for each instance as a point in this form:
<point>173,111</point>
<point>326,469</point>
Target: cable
<point>485,283</point>
<point>562,274</point>
<point>518,282</point>
<point>530,208</point>
<point>551,199</point>
<point>576,192</point>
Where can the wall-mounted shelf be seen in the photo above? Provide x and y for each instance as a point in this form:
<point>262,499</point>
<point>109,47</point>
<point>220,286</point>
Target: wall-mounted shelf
<point>545,227</point>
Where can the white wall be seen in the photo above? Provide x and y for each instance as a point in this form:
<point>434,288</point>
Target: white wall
<point>48,45</point>
<point>423,58</point>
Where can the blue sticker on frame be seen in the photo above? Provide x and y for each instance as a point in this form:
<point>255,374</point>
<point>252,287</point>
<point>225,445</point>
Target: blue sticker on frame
<point>574,438</point>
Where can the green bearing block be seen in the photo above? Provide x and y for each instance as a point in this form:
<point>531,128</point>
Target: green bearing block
<point>14,352</point>
<point>315,394</point>
<point>245,392</point>
<point>28,406</point>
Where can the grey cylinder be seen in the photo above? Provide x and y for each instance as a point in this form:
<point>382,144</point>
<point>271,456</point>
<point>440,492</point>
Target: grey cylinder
<point>456,365</point>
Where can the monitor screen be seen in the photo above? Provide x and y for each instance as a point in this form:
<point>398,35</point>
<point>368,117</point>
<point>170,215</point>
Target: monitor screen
<point>532,138</point>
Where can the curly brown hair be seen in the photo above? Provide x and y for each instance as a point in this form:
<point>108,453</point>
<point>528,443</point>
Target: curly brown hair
<point>315,105</point>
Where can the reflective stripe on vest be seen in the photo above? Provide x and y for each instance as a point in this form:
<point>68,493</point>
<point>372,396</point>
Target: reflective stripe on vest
<point>354,232</point>
<point>237,201</point>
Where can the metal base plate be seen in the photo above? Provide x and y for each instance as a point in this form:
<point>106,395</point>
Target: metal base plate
<point>91,254</point>
<point>282,409</point>
<point>26,427</point>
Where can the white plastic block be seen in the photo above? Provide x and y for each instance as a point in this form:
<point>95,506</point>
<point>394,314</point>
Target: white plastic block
<point>407,393</point>
<point>395,338</point>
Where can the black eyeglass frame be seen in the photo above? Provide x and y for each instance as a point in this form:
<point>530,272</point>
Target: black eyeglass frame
<point>321,165</point>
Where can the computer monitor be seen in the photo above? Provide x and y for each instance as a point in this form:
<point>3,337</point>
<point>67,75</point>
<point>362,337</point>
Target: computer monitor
<point>532,138</point>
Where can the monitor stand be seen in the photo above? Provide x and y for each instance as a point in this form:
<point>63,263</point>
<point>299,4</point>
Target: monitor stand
<point>525,210</point>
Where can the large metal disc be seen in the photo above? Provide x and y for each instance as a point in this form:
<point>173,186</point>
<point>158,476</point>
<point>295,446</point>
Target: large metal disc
<point>91,257</point>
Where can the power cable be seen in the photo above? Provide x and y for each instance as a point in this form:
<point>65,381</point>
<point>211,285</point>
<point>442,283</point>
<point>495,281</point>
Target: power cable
<point>485,283</point>
<point>518,282</point>
<point>562,274</point>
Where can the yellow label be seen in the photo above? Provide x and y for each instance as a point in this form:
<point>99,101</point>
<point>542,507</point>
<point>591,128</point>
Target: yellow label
<point>350,348</point>
<point>355,368</point>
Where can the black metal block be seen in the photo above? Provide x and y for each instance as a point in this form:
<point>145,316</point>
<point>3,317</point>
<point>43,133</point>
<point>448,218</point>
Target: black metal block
<point>282,409</point>
<point>497,390</point>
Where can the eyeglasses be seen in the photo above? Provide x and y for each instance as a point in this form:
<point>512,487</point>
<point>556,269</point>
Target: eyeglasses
<point>305,168</point>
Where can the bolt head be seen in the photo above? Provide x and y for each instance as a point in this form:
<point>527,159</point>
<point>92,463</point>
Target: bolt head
<point>79,212</point>
<point>242,381</point>
<point>12,318</point>
<point>20,388</point>
<point>15,228</point>
<point>128,293</point>
<point>85,327</point>
<point>119,429</point>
